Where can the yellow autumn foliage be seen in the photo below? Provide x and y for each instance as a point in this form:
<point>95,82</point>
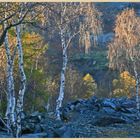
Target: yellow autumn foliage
<point>90,85</point>
<point>31,38</point>
<point>125,85</point>
<point>88,78</point>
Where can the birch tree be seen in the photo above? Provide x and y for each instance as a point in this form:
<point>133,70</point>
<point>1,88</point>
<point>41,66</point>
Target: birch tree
<point>65,19</point>
<point>124,51</point>
<point>22,88</point>
<point>19,105</point>
<point>91,28</point>
<point>13,15</point>
<point>10,114</point>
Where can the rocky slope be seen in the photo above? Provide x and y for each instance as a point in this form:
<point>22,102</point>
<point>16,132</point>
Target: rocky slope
<point>94,117</point>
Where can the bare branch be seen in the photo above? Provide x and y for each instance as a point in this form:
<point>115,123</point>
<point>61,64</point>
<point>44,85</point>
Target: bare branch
<point>2,37</point>
<point>70,39</point>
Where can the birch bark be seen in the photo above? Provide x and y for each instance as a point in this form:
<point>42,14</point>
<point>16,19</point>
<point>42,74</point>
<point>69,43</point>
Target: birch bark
<point>137,85</point>
<point>19,106</point>
<point>62,80</point>
<point>10,111</point>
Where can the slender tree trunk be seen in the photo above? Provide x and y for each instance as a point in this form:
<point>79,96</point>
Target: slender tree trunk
<point>19,107</point>
<point>47,107</point>
<point>95,41</point>
<point>10,111</point>
<point>36,62</point>
<point>137,88</point>
<point>62,80</point>
<point>7,115</point>
<point>137,85</point>
<point>12,102</point>
<point>87,42</point>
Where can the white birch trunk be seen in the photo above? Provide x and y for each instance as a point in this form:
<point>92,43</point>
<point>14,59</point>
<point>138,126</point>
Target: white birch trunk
<point>62,80</point>
<point>95,41</point>
<point>65,42</point>
<point>137,85</point>
<point>7,115</point>
<point>87,42</point>
<point>137,89</point>
<point>10,111</point>
<point>19,107</point>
